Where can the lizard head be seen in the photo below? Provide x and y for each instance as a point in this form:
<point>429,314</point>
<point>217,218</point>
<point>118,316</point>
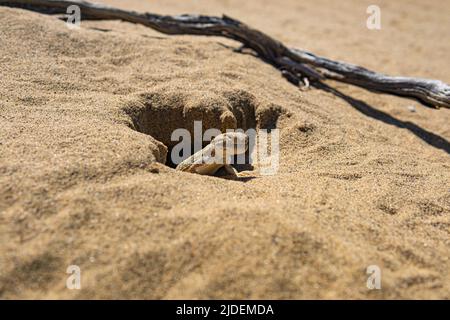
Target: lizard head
<point>231,143</point>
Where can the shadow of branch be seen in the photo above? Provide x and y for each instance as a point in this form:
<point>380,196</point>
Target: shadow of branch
<point>427,136</point>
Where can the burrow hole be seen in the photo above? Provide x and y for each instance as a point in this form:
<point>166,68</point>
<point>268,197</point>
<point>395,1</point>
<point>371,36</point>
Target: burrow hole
<point>158,114</point>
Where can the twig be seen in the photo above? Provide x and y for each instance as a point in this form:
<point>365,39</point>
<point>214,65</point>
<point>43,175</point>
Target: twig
<point>300,64</point>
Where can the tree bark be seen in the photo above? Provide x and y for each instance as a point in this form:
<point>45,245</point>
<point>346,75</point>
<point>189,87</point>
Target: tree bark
<point>297,62</point>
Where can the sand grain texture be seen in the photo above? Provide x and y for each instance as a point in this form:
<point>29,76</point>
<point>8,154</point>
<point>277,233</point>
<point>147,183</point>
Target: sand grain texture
<point>84,122</point>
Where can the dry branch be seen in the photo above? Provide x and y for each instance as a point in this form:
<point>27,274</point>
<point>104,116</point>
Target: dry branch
<point>297,62</point>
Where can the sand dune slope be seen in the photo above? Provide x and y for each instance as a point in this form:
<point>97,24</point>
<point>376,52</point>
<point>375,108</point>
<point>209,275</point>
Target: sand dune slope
<point>85,123</point>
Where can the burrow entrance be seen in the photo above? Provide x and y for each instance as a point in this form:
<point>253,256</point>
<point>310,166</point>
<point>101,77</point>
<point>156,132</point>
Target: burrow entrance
<point>160,113</point>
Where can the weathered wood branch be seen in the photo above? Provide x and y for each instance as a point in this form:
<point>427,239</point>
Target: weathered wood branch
<point>299,63</point>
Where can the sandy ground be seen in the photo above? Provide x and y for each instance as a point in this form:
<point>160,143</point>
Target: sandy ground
<point>84,122</point>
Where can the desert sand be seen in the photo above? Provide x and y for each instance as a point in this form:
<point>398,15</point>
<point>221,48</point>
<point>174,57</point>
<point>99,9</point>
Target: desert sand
<point>85,118</point>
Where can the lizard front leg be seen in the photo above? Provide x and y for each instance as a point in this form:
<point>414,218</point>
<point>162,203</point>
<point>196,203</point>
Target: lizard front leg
<point>230,170</point>
<point>233,173</point>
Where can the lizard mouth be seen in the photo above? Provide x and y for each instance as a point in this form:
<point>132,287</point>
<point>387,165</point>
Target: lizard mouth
<point>160,112</point>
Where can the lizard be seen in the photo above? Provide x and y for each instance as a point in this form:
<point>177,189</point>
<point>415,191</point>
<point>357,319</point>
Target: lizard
<point>216,155</point>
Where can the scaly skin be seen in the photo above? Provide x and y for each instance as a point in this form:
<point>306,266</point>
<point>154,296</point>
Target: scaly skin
<point>216,155</point>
